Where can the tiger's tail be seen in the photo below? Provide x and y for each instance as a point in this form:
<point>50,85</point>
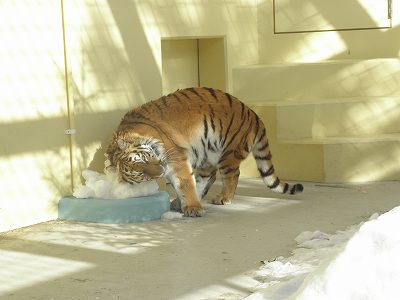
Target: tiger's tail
<point>262,155</point>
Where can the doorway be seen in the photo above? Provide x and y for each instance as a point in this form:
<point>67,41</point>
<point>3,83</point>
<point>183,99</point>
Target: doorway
<point>192,62</point>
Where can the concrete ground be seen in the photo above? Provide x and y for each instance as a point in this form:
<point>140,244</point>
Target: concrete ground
<point>202,258</point>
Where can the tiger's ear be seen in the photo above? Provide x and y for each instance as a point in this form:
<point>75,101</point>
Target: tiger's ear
<point>122,144</point>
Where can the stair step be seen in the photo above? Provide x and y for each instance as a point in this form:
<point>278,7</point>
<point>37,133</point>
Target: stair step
<point>329,79</point>
<point>367,160</point>
<point>357,116</point>
<point>308,101</point>
<point>329,159</point>
<point>361,116</point>
<point>390,137</point>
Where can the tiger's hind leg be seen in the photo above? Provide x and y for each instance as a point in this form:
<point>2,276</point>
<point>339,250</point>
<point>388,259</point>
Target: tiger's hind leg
<point>230,178</point>
<point>205,177</point>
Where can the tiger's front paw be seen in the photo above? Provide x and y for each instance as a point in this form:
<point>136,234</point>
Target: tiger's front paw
<point>221,200</point>
<point>193,210</point>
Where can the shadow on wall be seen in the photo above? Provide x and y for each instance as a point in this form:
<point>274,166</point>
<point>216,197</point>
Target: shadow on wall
<point>113,70</point>
<point>320,46</point>
<point>139,52</point>
<point>116,59</point>
<point>108,78</point>
<point>112,49</point>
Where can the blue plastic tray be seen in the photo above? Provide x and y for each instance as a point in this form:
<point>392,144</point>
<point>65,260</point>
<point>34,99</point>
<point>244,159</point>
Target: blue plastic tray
<point>114,211</point>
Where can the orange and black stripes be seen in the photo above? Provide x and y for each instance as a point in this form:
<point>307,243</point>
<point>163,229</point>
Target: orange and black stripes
<point>221,129</point>
<point>205,127</point>
<point>212,92</point>
<point>229,97</point>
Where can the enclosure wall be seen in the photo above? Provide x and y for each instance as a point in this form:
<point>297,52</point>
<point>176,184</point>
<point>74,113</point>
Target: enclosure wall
<point>34,150</point>
<point>111,62</point>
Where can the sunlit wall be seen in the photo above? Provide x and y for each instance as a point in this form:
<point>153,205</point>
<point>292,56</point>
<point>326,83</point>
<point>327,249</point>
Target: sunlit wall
<point>115,57</point>
<point>34,150</point>
<point>354,40</point>
<point>340,57</point>
<point>113,63</point>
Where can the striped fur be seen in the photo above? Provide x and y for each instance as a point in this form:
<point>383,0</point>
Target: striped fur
<point>190,135</point>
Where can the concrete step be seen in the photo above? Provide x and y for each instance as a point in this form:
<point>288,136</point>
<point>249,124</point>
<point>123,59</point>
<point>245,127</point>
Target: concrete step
<point>321,80</point>
<point>361,116</point>
<point>388,137</point>
<point>329,159</point>
<point>376,158</point>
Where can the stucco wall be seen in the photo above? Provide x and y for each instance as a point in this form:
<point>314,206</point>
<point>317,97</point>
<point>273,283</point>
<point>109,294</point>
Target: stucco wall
<point>115,57</point>
<point>113,52</point>
<point>34,150</point>
<point>330,45</point>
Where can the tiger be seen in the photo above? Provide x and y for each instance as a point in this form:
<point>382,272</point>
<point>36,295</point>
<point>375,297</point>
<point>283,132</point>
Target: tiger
<point>187,137</point>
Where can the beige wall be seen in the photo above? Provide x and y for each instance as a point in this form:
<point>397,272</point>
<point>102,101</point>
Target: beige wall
<point>116,58</point>
<point>188,62</point>
<point>113,51</point>
<point>34,150</point>
<point>314,67</point>
<point>180,66</point>
<point>331,45</point>
<point>212,63</point>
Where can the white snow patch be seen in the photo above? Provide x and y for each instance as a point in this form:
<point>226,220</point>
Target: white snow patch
<point>172,215</point>
<point>362,262</point>
<point>107,186</point>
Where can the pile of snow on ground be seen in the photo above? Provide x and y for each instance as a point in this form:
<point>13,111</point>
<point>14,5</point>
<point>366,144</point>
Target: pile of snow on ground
<point>107,186</point>
<point>172,215</point>
<point>362,262</point>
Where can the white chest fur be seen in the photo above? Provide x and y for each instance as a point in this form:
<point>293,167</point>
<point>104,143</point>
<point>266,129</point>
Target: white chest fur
<point>204,150</point>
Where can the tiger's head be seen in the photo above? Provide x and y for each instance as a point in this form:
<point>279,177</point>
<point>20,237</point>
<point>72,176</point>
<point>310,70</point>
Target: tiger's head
<point>137,161</point>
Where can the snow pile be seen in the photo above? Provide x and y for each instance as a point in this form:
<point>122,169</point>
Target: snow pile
<point>172,215</point>
<point>107,186</point>
<point>362,262</point>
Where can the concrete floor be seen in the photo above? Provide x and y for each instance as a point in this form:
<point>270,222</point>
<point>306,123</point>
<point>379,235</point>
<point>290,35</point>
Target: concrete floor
<point>202,258</point>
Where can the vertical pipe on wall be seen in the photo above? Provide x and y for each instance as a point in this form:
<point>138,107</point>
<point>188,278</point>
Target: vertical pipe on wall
<point>69,104</point>
<point>198,63</point>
